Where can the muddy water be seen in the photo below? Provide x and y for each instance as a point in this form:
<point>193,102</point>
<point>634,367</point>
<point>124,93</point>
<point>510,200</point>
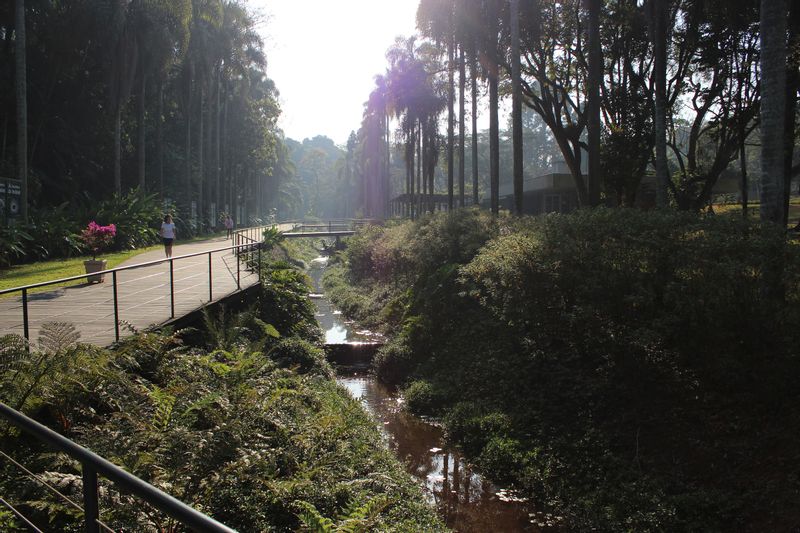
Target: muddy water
<point>466,501</point>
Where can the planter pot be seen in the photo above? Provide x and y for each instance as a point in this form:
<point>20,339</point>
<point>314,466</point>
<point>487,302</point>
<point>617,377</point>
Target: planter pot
<point>94,265</point>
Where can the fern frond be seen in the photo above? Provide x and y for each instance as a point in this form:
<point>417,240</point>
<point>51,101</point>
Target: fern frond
<point>55,337</point>
<point>313,521</point>
<point>164,403</point>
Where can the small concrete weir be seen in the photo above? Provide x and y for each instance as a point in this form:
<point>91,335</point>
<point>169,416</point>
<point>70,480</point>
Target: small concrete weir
<point>355,355</point>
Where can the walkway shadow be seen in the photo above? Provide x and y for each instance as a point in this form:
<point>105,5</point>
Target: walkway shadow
<point>58,293</point>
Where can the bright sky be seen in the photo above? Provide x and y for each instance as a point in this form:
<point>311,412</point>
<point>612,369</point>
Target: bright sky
<point>324,55</point>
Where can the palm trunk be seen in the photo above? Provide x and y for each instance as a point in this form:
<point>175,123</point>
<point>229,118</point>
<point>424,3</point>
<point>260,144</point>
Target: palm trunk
<point>461,83</point>
<point>21,78</point>
<point>494,144</point>
<point>450,122</point>
<point>140,127</point>
<point>188,153</point>
<point>217,119</point>
<point>516,108</point>
<point>160,138</point>
<point>200,143</point>
<point>473,73</point>
<point>118,150</point>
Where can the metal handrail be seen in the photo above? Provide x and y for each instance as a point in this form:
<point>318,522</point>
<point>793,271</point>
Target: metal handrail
<point>118,269</point>
<point>113,271</point>
<point>92,465</point>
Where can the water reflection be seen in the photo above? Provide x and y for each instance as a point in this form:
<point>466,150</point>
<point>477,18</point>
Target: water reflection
<point>465,499</point>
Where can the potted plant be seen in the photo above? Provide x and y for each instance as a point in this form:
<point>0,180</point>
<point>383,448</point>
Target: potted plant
<point>97,238</point>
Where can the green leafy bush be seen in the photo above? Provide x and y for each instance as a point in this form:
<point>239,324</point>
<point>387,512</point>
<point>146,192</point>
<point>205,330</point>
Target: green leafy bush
<point>302,356</point>
<point>577,355</point>
<point>421,398</point>
<point>136,215</point>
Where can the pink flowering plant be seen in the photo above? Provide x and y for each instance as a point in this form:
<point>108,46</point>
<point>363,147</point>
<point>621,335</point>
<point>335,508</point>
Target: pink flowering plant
<point>97,238</point>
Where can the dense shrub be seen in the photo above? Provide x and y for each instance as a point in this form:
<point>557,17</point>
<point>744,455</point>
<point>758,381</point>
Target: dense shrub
<point>137,217</point>
<point>422,398</point>
<point>622,366</point>
<point>301,356</point>
<point>284,303</point>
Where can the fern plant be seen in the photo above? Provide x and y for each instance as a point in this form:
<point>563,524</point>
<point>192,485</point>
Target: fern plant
<point>353,519</point>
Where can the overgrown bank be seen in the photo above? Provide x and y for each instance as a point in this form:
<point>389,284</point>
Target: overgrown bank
<point>633,370</point>
<point>240,419</point>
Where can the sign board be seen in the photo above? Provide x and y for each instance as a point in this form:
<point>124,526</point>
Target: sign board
<point>10,199</point>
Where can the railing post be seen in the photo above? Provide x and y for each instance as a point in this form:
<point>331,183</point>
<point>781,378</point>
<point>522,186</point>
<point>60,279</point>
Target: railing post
<point>172,289</point>
<point>25,331</point>
<point>210,290</point>
<point>259,262</point>
<point>91,509</point>
<point>116,306</point>
<point>238,269</point>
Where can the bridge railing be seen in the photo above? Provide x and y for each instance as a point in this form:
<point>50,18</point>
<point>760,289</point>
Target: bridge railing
<point>334,225</point>
<point>93,465</point>
<point>24,290</point>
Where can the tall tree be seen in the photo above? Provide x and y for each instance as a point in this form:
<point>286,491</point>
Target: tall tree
<point>593,83</point>
<point>657,23</point>
<point>773,107</point>
<point>21,77</point>
<point>490,47</point>
<point>516,108</point>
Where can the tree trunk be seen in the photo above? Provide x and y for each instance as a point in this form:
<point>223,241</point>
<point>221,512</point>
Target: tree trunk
<point>160,139</point>
<point>792,86</point>
<point>21,79</point>
<point>773,107</point>
<point>659,38</point>
<point>217,119</point>
<point>461,84</point>
<point>140,127</point>
<point>494,144</point>
<point>743,167</point>
<point>118,150</point>
<point>451,93</point>
<point>473,74</point>
<point>188,153</point>
<point>593,101</point>
<point>200,142</point>
<point>516,109</point>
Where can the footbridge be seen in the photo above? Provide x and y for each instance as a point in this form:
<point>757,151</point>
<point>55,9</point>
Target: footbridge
<point>150,290</point>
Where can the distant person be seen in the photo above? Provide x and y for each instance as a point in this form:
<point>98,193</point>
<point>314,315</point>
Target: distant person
<point>229,225</point>
<point>168,234</point>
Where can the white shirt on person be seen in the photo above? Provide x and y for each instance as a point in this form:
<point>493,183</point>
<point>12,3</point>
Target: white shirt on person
<point>168,230</point>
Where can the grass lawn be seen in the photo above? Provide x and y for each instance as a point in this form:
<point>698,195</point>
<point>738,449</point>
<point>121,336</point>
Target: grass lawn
<point>19,275</point>
<point>753,210</point>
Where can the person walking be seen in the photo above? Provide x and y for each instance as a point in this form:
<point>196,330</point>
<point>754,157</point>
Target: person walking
<point>168,234</point>
<point>229,225</point>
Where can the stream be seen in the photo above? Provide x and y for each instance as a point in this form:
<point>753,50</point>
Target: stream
<point>465,500</point>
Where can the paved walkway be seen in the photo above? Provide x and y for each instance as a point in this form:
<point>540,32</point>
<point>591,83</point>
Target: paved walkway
<point>143,295</point>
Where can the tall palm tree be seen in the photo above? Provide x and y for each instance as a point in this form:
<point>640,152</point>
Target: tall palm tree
<point>773,107</point>
<point>516,107</point>
<point>124,49</point>
<point>21,79</point>
<point>490,47</point>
